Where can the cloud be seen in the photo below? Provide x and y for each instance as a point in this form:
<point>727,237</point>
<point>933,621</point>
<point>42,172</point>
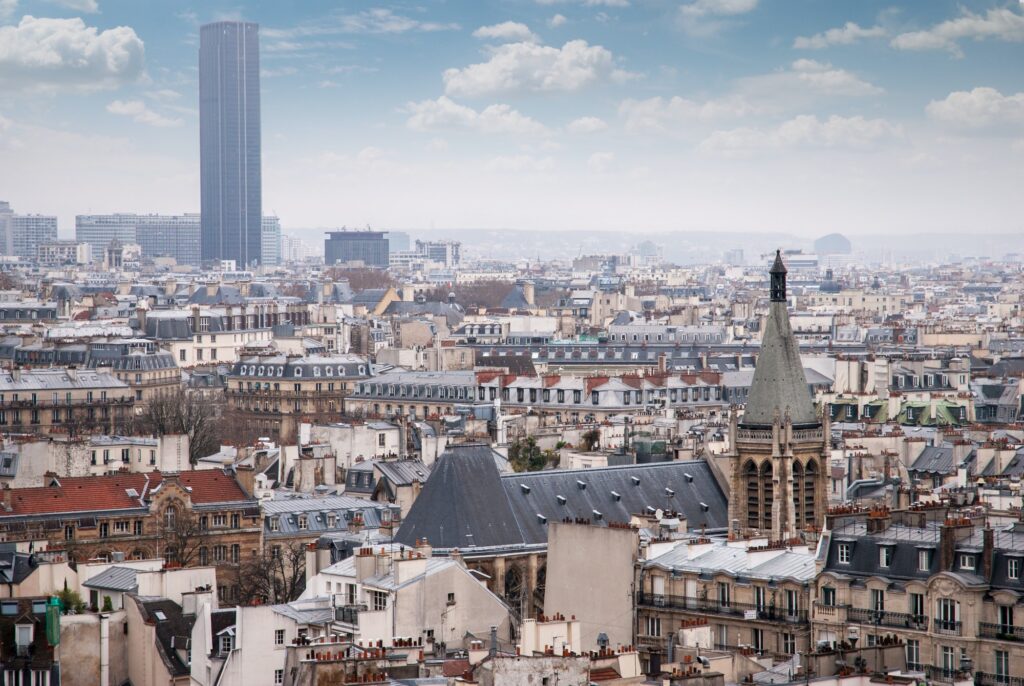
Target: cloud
<point>586,125</point>
<point>600,162</point>
<point>54,54</point>
<point>373,21</point>
<point>445,114</point>
<point>554,22</point>
<point>707,17</point>
<point>163,94</point>
<point>520,163</point>
<point>139,112</point>
<point>271,73</point>
<point>978,108</point>
<point>9,7</point>
<point>508,32</point>
<point>588,3</point>
<point>999,24</point>
<point>848,34</point>
<point>804,131</point>
<point>806,77</point>
<point>87,6</point>
<point>516,67</point>
<point>676,114</point>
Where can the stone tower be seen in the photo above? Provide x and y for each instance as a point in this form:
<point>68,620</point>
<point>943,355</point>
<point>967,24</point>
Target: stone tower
<point>779,444</point>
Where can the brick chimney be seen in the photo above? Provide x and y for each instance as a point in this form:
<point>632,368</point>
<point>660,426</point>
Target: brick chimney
<point>246,477</point>
<point>7,497</point>
<point>987,551</point>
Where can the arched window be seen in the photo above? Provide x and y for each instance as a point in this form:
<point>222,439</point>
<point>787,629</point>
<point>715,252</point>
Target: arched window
<point>767,496</point>
<point>170,516</point>
<point>811,477</point>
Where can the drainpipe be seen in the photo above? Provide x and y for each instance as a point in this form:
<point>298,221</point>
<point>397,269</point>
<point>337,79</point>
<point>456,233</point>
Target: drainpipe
<point>104,650</point>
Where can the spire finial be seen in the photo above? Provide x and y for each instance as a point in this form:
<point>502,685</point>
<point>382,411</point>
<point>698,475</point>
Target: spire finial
<point>778,279</point>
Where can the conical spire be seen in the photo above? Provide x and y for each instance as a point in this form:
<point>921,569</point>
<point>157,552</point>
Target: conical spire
<point>779,386</point>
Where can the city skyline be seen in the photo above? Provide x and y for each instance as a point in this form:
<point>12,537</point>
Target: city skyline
<point>735,115</point>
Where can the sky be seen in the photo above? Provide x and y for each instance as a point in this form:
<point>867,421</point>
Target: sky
<point>803,116</point>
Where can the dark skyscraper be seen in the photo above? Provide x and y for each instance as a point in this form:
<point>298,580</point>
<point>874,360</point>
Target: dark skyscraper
<point>229,142</point>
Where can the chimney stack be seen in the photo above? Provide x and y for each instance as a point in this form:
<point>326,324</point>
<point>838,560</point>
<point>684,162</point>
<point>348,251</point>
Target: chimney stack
<point>987,553</point>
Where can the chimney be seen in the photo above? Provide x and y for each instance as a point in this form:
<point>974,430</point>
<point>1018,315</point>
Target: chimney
<point>423,547</point>
<point>246,477</point>
<point>988,546</point>
<point>140,314</point>
<point>662,363</point>
<point>528,293</point>
<point>195,317</point>
<point>494,642</point>
<point>7,497</point>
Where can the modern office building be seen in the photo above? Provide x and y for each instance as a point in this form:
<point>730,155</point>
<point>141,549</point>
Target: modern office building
<point>6,219</point>
<point>271,233</point>
<point>57,253</point>
<point>368,247</point>
<point>398,241</point>
<point>98,230</point>
<point>29,231</point>
<point>448,253</point>
<point>229,143</point>
<point>170,236</point>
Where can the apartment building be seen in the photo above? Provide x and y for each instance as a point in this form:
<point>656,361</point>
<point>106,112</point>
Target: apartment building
<point>66,401</point>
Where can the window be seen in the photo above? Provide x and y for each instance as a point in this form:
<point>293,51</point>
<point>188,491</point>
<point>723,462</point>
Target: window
<point>924,560</point>
<point>884,556</point>
<point>104,529</point>
<point>653,626</point>
<point>844,553</point>
<point>828,596</point>
<point>303,522</point>
<point>275,524</point>
<point>380,440</point>
<point>279,637</point>
<point>236,553</point>
<point>226,643</point>
<point>204,555</point>
<point>917,604</point>
<point>379,600</point>
<point>967,562</point>
<point>724,593</point>
<point>235,521</point>
<point>8,608</point>
<point>220,520</point>
<point>451,598</point>
<point>219,553</point>
<point>913,655</point>
<point>1002,667</point>
<point>1013,568</point>
<point>877,600</point>
<point>278,676</point>
<point>757,639</point>
<point>789,643</point>
<point>170,516</point>
<point>69,533</point>
<point>948,615</point>
<point>122,527</point>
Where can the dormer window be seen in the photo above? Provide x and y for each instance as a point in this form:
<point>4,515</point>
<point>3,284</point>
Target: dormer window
<point>884,556</point>
<point>843,554</point>
<point>275,524</point>
<point>924,560</point>
<point>303,522</point>
<point>967,562</point>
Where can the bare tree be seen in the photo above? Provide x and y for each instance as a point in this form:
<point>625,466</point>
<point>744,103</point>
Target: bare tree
<point>276,575</point>
<point>188,412</point>
<point>183,536</point>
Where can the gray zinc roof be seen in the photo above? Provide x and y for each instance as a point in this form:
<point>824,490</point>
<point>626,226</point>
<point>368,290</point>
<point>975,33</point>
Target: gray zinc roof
<point>114,579</point>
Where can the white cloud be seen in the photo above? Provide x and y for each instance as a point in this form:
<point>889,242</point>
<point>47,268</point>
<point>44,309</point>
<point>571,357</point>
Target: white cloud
<point>529,67</point>
<point>271,73</point>
<point>586,125</point>
<point>706,17</point>
<point>848,34</point>
<point>164,94</point>
<point>588,3</point>
<point>520,163</point>
<point>600,162</point>
<point>999,24</point>
<point>53,54</point>
<point>445,114</point>
<point>554,22</point>
<point>372,21</point>
<point>87,6</point>
<point>507,32</point>
<point>806,77</point>
<point>978,108</point>
<point>804,131</point>
<point>676,114</point>
<point>9,7</point>
<point>139,112</point>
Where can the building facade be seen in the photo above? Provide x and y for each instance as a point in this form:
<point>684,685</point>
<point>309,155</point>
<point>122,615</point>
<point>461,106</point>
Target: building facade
<point>369,247</point>
<point>29,231</point>
<point>229,143</point>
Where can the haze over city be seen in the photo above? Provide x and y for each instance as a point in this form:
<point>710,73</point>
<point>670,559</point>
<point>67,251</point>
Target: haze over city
<point>725,115</point>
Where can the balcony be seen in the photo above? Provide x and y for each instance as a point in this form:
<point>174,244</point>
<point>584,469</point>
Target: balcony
<point>945,675</point>
<point>948,627</point>
<point>898,620</point>
<point>987,679</point>
<point>349,614</point>
<point>713,605</point>
<point>830,613</point>
<point>1004,632</point>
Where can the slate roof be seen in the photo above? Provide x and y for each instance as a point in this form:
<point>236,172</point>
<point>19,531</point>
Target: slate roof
<point>935,460</point>
<point>114,579</point>
<point>779,382</point>
<point>467,502</point>
<point>176,625</point>
<point>403,472</point>
<point>15,567</point>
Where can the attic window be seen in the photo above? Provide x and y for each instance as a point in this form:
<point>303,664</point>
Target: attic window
<point>597,514</point>
<point>581,484</point>
<point>704,507</point>
<point>561,499</point>
<point>542,519</point>
<point>669,492</point>
<point>689,478</point>
<point>636,480</point>
<point>651,509</point>
<point>159,614</point>
<point>616,496</point>
<point>524,488</point>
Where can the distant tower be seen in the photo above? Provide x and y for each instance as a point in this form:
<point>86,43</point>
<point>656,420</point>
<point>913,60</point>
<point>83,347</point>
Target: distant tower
<point>779,444</point>
<point>229,143</point>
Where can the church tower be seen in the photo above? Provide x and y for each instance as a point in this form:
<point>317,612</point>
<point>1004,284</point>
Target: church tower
<point>779,444</point>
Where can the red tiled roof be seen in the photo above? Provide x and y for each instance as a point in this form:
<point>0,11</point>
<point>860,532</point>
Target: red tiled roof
<point>454,668</point>
<point>109,492</point>
<point>603,674</point>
